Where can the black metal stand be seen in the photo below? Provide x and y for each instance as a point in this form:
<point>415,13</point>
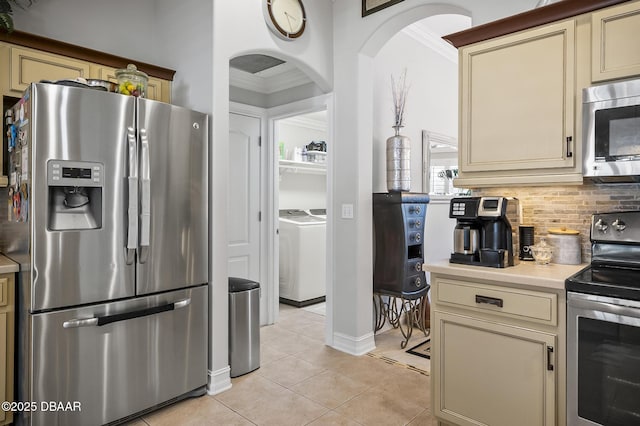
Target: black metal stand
<point>392,309</point>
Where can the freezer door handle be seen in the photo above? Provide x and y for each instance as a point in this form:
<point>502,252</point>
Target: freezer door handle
<point>109,319</point>
<point>85,322</point>
<point>145,201</point>
<point>132,209</point>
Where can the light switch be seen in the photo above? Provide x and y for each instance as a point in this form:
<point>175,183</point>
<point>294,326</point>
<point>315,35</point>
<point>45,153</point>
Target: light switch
<point>347,211</point>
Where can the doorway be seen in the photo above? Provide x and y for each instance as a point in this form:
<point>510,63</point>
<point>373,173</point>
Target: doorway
<point>302,210</point>
<point>272,99</point>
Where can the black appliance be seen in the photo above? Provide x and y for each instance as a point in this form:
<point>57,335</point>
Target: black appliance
<point>603,326</point>
<point>491,221</point>
<point>398,221</point>
<point>317,146</point>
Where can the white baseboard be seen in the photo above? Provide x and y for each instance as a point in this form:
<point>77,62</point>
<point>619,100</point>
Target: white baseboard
<point>354,345</point>
<point>219,381</point>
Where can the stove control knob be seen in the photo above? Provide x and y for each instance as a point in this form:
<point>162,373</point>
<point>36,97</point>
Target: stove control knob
<point>619,225</point>
<point>601,225</point>
<point>418,282</point>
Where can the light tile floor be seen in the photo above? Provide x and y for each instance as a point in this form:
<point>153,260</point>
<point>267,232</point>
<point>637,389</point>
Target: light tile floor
<point>303,382</point>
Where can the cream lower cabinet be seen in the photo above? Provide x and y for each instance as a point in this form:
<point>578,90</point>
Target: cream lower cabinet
<point>493,374</point>
<point>614,42</point>
<point>517,109</point>
<point>7,318</point>
<point>497,354</point>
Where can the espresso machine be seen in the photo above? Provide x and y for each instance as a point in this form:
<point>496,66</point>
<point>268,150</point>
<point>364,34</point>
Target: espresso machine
<point>484,233</point>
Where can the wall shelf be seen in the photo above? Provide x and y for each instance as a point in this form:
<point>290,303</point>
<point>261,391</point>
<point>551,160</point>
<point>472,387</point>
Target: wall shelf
<point>302,167</point>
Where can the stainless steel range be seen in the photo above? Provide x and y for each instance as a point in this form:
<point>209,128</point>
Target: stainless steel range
<point>603,326</point>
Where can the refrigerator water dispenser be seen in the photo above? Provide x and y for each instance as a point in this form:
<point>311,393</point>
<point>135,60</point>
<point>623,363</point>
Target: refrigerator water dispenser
<point>75,195</point>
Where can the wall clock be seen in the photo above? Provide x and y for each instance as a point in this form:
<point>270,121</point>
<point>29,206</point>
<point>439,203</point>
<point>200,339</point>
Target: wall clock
<point>286,18</point>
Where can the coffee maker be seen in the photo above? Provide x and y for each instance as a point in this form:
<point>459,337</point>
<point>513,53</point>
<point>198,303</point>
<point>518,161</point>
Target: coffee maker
<point>484,233</point>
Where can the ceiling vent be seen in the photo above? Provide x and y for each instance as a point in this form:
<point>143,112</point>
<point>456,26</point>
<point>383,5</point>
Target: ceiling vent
<point>253,64</point>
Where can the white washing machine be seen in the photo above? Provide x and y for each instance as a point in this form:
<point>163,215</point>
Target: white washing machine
<point>302,258</point>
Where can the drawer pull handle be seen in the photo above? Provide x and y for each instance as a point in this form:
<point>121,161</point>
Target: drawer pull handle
<point>489,300</point>
<point>549,353</point>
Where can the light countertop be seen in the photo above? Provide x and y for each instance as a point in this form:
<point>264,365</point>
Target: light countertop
<point>549,276</point>
<point>7,265</point>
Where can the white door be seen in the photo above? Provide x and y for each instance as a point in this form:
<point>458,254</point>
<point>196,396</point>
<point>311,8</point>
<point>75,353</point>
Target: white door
<point>244,197</point>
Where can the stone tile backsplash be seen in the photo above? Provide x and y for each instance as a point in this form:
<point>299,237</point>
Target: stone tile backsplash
<point>569,206</point>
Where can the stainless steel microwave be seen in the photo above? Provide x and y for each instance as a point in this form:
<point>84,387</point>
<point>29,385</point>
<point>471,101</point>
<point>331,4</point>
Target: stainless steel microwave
<point>611,131</point>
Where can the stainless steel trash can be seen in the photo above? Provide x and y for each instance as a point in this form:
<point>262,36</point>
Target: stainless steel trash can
<point>244,326</point>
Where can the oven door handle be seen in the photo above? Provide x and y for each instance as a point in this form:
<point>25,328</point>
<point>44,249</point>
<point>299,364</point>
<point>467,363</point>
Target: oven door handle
<point>628,308</point>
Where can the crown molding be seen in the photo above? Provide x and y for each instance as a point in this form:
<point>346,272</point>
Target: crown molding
<point>286,80</point>
<point>307,123</point>
<point>245,80</point>
<point>268,81</point>
<point>529,19</point>
<point>432,41</point>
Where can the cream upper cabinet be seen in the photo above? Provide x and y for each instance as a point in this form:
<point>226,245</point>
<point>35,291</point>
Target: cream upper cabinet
<point>615,42</point>
<point>517,113</point>
<point>28,65</point>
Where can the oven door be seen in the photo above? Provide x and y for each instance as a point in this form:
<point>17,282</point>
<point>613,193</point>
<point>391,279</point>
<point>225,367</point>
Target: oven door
<point>603,360</point>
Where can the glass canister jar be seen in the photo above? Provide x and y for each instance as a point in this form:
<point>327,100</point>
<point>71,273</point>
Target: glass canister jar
<point>132,82</point>
<point>542,252</point>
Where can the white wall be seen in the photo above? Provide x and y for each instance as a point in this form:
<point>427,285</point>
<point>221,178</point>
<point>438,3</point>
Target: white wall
<point>185,44</point>
<point>263,100</point>
<point>174,35</point>
<point>303,191</point>
<point>120,27</point>
<point>300,190</point>
<point>432,104</point>
<point>432,101</point>
<point>438,231</point>
<point>297,135</point>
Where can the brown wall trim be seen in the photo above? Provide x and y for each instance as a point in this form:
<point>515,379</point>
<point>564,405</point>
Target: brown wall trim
<point>72,51</point>
<point>532,18</point>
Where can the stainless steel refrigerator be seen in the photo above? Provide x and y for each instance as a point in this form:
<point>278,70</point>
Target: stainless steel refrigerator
<point>107,215</point>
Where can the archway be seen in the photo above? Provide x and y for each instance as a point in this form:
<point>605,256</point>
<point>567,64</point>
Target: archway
<point>352,308</point>
<point>266,88</point>
<point>430,67</point>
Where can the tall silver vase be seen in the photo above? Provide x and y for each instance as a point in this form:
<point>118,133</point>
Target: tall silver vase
<point>398,162</point>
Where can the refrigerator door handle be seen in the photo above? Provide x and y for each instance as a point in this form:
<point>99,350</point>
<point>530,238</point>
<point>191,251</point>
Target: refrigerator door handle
<point>132,210</point>
<point>109,319</point>
<point>145,205</point>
